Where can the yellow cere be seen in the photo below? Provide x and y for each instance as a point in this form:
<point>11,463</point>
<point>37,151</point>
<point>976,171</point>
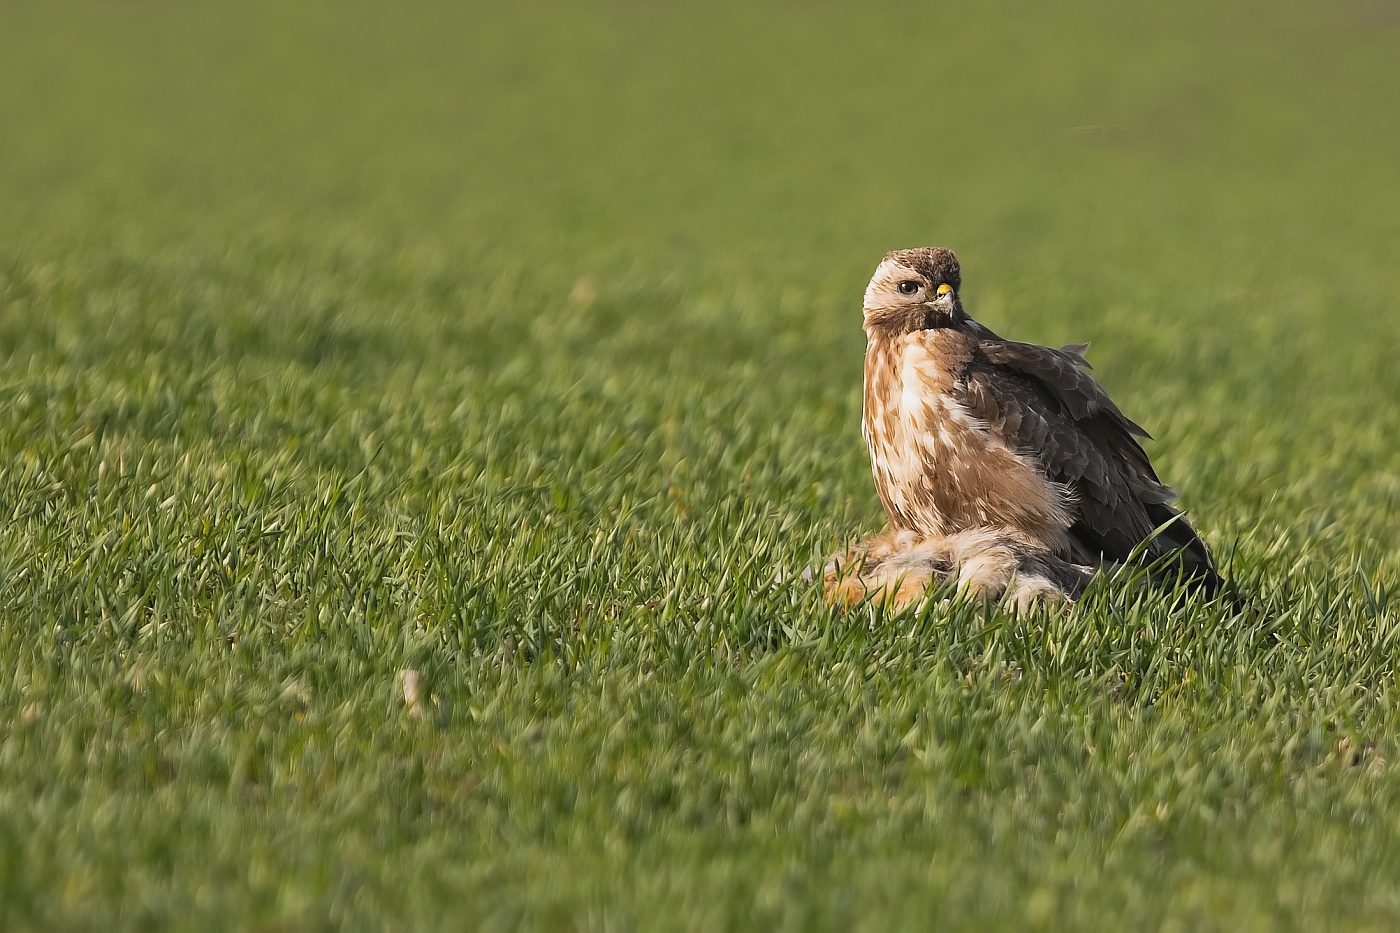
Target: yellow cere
<point>944,289</point>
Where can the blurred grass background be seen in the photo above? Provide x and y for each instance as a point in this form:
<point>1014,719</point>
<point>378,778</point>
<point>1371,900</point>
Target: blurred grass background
<point>520,346</point>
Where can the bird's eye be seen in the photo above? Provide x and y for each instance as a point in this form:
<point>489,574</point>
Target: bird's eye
<point>908,288</point>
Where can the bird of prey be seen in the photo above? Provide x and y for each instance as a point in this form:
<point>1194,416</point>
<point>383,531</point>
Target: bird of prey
<point>1004,465</point>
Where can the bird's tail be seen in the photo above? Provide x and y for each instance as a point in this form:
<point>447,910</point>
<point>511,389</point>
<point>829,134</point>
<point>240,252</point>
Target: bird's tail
<point>1181,551</point>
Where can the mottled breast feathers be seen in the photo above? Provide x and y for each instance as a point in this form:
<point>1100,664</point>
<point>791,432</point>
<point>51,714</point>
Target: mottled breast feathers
<point>1019,436</point>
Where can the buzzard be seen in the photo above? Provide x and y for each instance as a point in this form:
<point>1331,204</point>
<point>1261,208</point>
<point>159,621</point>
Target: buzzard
<point>1001,464</point>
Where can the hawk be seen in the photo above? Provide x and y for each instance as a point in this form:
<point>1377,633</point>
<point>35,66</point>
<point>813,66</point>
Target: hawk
<point>1002,463</point>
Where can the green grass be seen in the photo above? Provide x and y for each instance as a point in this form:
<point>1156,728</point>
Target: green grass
<point>519,346</point>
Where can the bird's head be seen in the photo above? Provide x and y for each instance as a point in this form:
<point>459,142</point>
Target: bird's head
<point>914,289</point>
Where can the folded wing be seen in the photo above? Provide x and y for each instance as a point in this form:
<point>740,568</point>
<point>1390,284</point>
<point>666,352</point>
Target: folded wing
<point>1041,402</point>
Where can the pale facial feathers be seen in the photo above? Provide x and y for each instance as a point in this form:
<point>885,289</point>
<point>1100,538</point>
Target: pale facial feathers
<point>912,288</point>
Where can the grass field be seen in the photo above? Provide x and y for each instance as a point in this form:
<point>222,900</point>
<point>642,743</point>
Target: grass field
<point>519,346</point>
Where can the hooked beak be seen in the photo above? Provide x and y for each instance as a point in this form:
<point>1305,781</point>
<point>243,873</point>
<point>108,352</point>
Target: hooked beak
<point>945,299</point>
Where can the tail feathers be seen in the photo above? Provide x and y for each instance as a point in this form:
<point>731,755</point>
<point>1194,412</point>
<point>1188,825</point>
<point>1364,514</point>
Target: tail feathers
<point>1181,550</point>
<point>1173,549</point>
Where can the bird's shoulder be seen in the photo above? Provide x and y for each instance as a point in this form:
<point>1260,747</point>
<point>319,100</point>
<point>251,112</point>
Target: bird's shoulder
<point>1043,401</point>
<point>1046,375</point>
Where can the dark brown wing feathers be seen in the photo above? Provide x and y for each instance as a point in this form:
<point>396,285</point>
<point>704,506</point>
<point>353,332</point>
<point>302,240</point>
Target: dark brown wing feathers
<point>1042,401</point>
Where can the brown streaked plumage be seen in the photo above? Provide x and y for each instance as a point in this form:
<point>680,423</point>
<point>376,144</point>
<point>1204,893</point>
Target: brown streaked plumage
<point>972,433</point>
